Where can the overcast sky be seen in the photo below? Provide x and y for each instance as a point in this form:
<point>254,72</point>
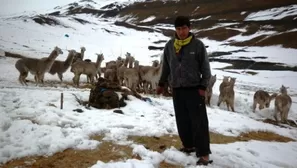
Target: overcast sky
<point>8,7</point>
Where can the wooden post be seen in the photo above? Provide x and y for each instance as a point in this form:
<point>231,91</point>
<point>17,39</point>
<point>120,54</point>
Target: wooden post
<point>62,100</point>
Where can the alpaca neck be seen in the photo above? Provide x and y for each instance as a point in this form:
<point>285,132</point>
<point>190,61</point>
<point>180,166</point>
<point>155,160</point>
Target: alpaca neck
<point>82,53</point>
<point>52,56</point>
<point>126,61</point>
<point>158,69</point>
<point>98,62</point>
<point>69,59</point>
<point>136,66</point>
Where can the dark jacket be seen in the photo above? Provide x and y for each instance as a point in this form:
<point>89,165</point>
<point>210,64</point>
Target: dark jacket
<point>189,68</point>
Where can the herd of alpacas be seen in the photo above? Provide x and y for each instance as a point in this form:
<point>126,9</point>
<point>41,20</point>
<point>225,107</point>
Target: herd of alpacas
<point>138,77</point>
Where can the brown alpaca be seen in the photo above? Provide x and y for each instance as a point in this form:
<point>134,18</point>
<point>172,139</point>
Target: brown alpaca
<point>283,103</point>
<point>208,93</point>
<point>262,98</point>
<point>227,95</point>
<point>224,83</point>
<point>88,68</point>
<point>37,67</point>
<point>131,76</point>
<point>151,75</point>
<point>79,56</point>
<point>60,67</point>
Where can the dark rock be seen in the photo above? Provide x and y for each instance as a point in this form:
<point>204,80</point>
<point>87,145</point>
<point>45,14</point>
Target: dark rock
<point>118,111</point>
<point>78,110</point>
<point>155,48</point>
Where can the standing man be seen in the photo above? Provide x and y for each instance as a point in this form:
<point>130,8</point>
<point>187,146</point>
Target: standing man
<point>186,65</point>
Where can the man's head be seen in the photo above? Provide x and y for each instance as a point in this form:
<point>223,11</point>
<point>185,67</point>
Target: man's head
<point>182,27</point>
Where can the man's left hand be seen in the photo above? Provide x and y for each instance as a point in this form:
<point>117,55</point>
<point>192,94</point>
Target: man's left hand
<point>201,92</point>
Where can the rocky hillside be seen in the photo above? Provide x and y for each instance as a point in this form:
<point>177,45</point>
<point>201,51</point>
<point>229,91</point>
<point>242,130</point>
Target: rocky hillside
<point>240,23</point>
<point>256,23</point>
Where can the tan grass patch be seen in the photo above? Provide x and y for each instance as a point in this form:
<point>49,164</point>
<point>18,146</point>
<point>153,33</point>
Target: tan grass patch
<point>161,143</point>
<point>108,151</point>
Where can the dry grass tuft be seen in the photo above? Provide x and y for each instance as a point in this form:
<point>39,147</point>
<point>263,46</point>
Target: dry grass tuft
<point>108,151</point>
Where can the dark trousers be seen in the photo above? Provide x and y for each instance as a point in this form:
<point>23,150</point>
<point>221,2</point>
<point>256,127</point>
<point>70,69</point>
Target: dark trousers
<point>191,119</point>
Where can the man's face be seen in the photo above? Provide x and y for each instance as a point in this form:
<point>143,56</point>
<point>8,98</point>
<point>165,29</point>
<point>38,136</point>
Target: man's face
<point>182,32</point>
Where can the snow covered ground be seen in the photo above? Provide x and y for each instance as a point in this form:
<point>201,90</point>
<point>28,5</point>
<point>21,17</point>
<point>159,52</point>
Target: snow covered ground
<point>31,122</point>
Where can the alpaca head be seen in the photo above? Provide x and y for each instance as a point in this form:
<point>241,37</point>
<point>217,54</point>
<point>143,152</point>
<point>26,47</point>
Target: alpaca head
<point>156,63</point>
<point>128,54</point>
<point>71,52</point>
<point>58,50</point>
<point>120,62</point>
<point>226,79</point>
<point>136,63</point>
<point>232,80</point>
<point>283,89</point>
<point>100,56</point>
<point>83,49</point>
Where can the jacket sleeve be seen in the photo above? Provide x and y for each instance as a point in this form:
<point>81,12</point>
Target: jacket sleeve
<point>204,67</point>
<point>165,68</point>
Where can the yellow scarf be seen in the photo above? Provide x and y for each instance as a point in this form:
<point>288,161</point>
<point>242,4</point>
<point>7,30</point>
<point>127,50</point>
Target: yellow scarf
<point>179,43</point>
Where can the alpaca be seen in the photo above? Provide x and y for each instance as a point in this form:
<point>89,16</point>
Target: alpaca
<point>151,75</point>
<point>61,67</point>
<point>262,98</point>
<point>98,67</point>
<point>131,76</point>
<point>228,95</point>
<point>88,68</point>
<point>79,56</point>
<point>283,103</point>
<point>208,93</point>
<point>37,67</point>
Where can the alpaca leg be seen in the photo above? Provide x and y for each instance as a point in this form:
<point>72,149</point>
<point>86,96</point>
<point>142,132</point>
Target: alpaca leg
<point>154,87</point>
<point>286,114</point>
<point>120,81</point>
<point>129,83</point>
<point>232,106</point>
<point>275,114</point>
<point>88,79</point>
<point>92,79</point>
<point>42,78</point>
<point>22,78</point>
<point>228,105</point>
<point>60,75</point>
<point>208,100</point>
<point>254,106</point>
<point>220,100</point>
<point>35,78</point>
<point>76,80</point>
<point>73,80</point>
<point>283,116</point>
<point>145,87</point>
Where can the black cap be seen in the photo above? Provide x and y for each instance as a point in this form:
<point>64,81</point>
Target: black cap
<point>182,21</point>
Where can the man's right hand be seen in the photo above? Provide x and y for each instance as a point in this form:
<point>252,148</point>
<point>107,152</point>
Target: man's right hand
<point>160,90</point>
